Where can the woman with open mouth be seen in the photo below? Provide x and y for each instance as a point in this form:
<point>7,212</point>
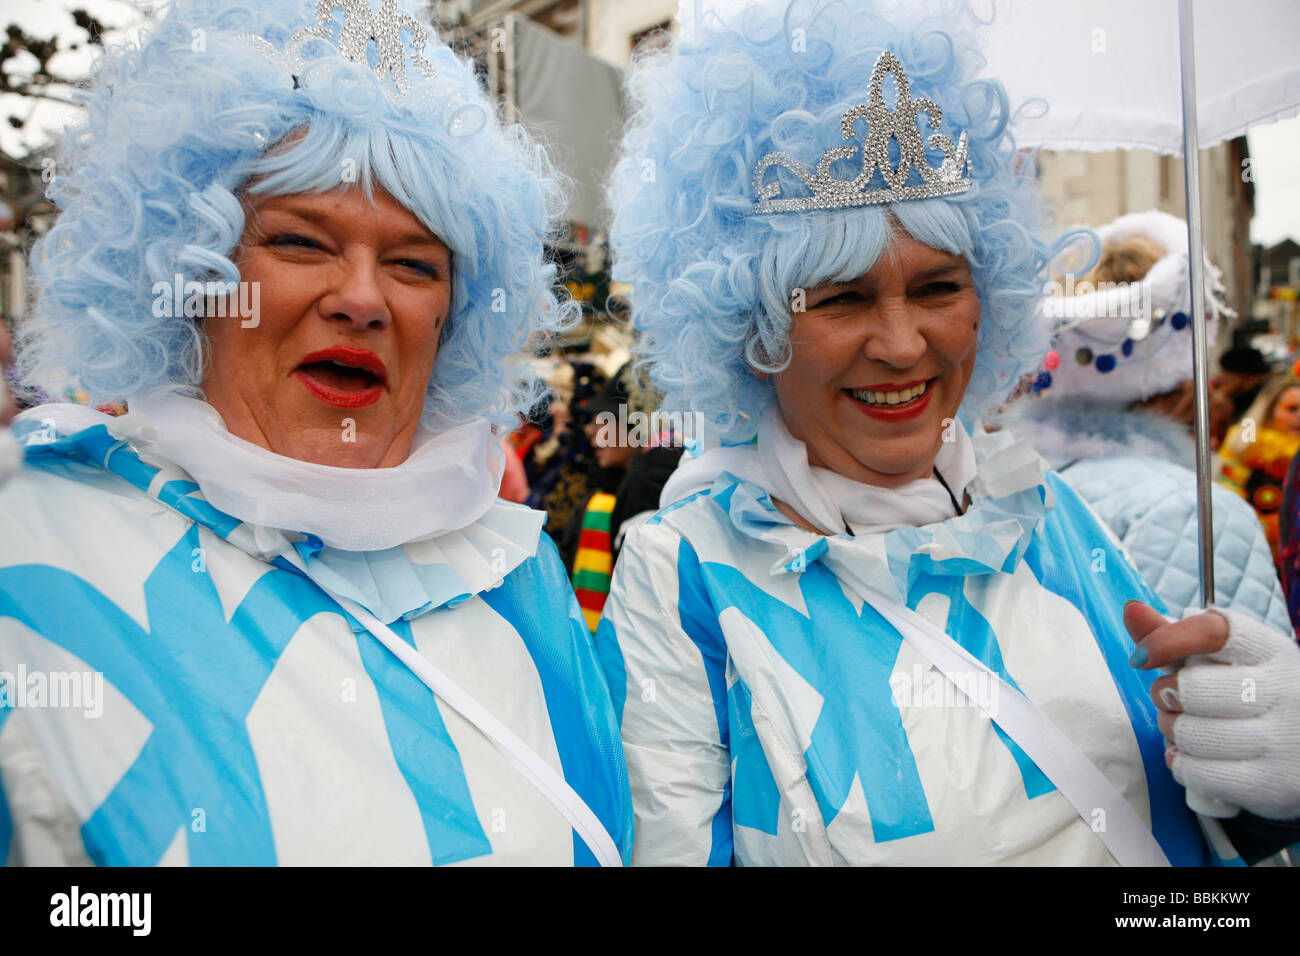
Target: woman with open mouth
<point>321,636</point>
<point>864,630</point>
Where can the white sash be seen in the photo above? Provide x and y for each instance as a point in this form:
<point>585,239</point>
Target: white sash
<point>1086,788</point>
<point>551,785</point>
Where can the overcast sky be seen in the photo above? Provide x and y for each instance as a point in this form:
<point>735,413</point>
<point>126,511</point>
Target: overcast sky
<point>1274,148</point>
<point>1275,154</point>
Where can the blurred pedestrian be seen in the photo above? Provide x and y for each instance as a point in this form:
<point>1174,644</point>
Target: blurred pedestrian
<point>586,543</point>
<point>1243,372</point>
<point>514,481</point>
<point>560,462</point>
<point>642,455</point>
<point>1257,452</point>
<point>8,405</point>
<point>10,453</point>
<point>1289,541</point>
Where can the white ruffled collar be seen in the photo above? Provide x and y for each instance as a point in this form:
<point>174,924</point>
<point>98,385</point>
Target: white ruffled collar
<point>778,463</point>
<point>444,537</point>
<point>1010,498</point>
<point>449,480</point>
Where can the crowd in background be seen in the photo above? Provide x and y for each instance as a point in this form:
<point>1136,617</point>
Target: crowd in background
<point>593,479</point>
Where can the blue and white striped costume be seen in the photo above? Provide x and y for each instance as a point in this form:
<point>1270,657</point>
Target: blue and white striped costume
<point>246,719</point>
<point>771,716</point>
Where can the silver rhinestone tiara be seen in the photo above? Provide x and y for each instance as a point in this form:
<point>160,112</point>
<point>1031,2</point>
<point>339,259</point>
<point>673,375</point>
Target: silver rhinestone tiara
<point>882,125</point>
<point>360,26</point>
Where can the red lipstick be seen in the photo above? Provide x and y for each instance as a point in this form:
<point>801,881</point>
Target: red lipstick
<point>895,413</point>
<point>344,376</point>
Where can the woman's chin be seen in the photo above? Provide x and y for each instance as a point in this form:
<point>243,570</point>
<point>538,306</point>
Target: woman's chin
<point>904,452</point>
<point>325,434</point>
<point>895,462</point>
<point>894,472</point>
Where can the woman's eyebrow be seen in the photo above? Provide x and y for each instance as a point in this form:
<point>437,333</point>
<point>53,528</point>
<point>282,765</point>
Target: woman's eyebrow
<point>957,265</point>
<point>422,239</point>
<point>321,218</point>
<point>305,213</point>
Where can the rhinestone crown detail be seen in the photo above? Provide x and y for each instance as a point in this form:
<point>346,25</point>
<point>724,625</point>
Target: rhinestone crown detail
<point>882,125</point>
<point>361,26</point>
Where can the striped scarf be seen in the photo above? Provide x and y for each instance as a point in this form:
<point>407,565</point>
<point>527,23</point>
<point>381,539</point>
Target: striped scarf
<point>595,559</point>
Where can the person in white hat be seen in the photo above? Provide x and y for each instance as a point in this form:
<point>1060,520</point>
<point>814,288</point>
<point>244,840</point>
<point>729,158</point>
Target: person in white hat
<point>1095,411</point>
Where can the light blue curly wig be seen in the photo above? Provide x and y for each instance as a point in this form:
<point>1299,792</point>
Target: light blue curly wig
<point>181,124</point>
<point>712,283</point>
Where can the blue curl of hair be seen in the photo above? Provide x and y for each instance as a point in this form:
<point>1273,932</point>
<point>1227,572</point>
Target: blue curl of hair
<point>712,284</point>
<point>185,126</point>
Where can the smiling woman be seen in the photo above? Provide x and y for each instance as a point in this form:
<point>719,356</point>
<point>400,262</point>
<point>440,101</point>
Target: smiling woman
<point>838,264</point>
<point>897,346</point>
<point>323,638</point>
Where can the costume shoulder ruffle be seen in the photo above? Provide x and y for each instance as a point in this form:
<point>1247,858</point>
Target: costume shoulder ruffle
<point>1010,497</point>
<point>398,583</point>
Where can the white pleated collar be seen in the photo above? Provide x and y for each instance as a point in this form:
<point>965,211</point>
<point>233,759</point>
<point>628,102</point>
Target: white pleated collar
<point>448,482</point>
<point>778,463</point>
<point>1010,497</point>
<point>401,542</point>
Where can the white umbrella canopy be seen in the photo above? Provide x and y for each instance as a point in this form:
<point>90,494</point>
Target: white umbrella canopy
<point>1109,69</point>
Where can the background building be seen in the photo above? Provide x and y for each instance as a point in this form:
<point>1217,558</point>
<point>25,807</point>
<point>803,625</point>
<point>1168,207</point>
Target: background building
<point>557,67</point>
<point>1277,287</point>
<point>24,215</point>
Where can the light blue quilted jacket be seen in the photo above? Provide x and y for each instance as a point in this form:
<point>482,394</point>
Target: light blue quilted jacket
<point>1134,470</point>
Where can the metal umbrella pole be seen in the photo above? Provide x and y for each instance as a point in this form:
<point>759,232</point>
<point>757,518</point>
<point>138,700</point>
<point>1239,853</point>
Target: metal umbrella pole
<point>1206,807</point>
<point>1196,265</point>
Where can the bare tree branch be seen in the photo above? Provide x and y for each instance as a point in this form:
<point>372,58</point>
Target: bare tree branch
<point>43,82</point>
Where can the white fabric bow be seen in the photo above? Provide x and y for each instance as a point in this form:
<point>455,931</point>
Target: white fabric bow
<point>828,501</point>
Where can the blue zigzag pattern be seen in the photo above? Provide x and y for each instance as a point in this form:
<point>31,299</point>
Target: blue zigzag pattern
<point>195,677</point>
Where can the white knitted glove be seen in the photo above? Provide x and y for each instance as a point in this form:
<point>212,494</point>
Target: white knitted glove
<point>1239,733</point>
